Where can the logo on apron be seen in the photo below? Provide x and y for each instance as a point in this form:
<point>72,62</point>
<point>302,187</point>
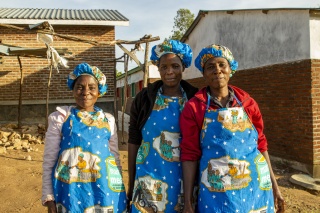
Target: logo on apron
<point>263,172</point>
<point>114,177</point>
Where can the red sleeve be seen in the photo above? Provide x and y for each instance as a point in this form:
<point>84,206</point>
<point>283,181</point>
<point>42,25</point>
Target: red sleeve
<point>191,120</point>
<point>256,118</point>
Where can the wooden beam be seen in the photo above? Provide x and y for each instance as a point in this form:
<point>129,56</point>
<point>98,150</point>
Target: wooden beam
<point>131,55</point>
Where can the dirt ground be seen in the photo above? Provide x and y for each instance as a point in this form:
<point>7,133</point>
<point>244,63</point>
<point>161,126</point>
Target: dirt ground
<point>20,183</point>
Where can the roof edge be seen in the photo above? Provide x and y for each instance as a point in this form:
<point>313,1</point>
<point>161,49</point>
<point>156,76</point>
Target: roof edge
<point>65,22</point>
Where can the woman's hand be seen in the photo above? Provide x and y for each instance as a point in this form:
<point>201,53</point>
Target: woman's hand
<point>188,208</point>
<point>51,207</point>
<point>278,200</point>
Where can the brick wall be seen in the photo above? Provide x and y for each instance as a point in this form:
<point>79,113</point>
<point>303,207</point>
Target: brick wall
<point>289,99</point>
<point>315,94</point>
<point>36,70</point>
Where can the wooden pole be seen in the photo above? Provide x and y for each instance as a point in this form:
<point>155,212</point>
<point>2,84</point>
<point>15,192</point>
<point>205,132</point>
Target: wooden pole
<point>124,94</point>
<point>146,67</point>
<point>115,92</point>
<point>20,94</point>
<point>48,91</point>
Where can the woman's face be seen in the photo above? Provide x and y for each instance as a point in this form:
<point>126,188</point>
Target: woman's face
<point>170,68</point>
<point>86,92</point>
<point>216,73</point>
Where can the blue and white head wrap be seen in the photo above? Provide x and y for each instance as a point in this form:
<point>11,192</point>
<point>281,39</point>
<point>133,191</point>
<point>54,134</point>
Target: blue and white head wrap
<point>215,50</point>
<point>182,50</point>
<point>86,69</point>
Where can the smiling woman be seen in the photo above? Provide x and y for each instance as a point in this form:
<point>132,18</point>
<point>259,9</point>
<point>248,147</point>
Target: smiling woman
<point>85,92</point>
<point>81,166</point>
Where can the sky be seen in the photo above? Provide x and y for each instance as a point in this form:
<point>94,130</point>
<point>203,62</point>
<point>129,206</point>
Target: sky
<point>155,17</point>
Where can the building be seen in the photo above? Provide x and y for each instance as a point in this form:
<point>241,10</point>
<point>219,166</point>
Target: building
<point>134,84</point>
<point>278,51</point>
<point>98,25</point>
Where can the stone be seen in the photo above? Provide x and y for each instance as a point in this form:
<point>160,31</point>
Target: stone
<point>4,139</point>
<point>5,133</point>
<point>3,150</point>
<point>11,137</point>
<point>25,144</point>
<point>26,136</point>
<point>29,158</point>
<point>17,143</point>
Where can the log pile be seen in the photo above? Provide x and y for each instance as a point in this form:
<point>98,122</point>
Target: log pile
<point>12,139</point>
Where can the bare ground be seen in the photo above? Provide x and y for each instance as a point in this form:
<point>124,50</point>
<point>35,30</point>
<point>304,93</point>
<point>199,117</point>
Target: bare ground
<point>20,183</point>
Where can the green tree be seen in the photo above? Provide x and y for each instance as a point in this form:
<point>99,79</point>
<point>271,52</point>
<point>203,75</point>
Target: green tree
<point>182,21</point>
<point>118,73</point>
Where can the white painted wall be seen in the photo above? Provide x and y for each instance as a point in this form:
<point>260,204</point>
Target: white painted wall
<point>257,39</point>
<point>315,37</point>
<point>138,76</point>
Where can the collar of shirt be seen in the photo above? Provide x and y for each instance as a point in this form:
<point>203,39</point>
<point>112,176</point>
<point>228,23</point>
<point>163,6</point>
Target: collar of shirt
<point>214,100</point>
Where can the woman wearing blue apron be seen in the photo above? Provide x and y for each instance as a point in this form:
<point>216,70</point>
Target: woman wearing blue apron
<point>81,158</point>
<point>155,170</point>
<point>227,140</point>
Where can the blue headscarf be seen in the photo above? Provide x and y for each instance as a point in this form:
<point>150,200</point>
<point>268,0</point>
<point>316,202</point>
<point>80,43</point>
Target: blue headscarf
<point>86,69</point>
<point>215,50</point>
<point>182,50</point>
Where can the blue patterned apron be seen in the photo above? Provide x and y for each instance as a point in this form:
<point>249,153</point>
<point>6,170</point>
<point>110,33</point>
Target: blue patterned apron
<point>158,183</point>
<point>86,177</point>
<point>234,175</point>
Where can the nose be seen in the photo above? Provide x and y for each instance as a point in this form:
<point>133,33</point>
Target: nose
<point>217,69</point>
<point>85,90</point>
<point>169,70</point>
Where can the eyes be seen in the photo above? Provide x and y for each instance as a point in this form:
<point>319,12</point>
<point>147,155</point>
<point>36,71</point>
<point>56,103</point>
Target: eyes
<point>165,67</point>
<point>213,66</point>
<point>80,87</point>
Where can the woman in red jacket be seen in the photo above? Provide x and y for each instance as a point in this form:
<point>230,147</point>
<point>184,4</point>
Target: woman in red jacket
<point>222,130</point>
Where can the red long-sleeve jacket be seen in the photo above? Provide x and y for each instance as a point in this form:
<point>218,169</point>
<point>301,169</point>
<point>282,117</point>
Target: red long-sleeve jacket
<point>192,117</point>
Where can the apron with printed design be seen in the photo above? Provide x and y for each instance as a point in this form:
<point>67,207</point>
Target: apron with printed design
<point>86,177</point>
<point>158,183</point>
<point>234,175</point>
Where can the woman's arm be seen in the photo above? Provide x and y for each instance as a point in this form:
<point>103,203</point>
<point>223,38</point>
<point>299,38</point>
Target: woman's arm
<point>113,141</point>
<point>135,138</point>
<point>278,199</point>
<point>50,156</point>
<point>189,170</point>
<point>132,155</point>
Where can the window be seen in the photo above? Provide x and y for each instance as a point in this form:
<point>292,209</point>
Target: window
<point>133,90</point>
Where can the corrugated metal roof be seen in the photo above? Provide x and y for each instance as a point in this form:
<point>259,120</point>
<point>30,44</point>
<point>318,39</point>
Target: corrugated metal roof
<point>62,15</point>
